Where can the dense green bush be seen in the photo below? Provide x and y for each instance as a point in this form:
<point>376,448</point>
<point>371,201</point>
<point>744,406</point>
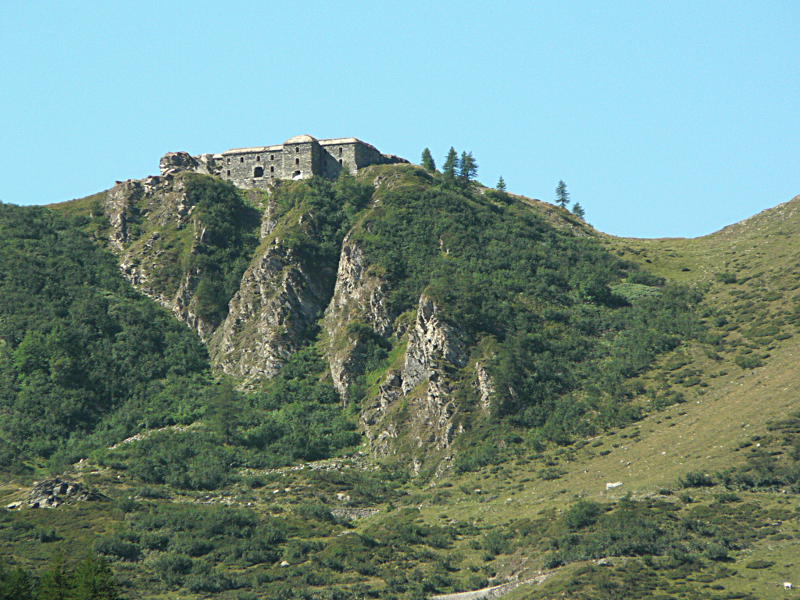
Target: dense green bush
<point>230,234</point>
<point>76,341</point>
<point>582,514</point>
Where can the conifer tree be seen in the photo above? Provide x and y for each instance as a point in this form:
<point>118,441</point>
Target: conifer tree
<point>56,584</point>
<point>450,165</point>
<point>427,161</point>
<point>562,195</point>
<point>468,168</point>
<point>221,410</point>
<point>15,584</point>
<point>578,211</point>
<point>501,184</point>
<point>94,580</point>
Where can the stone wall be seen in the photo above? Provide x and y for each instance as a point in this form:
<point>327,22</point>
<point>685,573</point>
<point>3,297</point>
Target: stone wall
<point>341,155</point>
<point>251,167</point>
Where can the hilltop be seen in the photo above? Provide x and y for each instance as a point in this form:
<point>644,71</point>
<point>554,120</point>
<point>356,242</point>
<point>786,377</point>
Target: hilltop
<point>395,385</point>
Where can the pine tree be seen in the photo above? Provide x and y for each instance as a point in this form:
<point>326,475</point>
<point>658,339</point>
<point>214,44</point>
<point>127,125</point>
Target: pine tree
<point>94,580</point>
<point>427,161</point>
<point>468,168</point>
<point>56,584</point>
<point>578,211</point>
<point>15,585</point>
<point>450,165</point>
<point>501,184</point>
<point>221,410</point>
<point>562,195</point>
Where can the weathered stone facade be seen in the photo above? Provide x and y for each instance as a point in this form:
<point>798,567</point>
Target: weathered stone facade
<point>299,157</point>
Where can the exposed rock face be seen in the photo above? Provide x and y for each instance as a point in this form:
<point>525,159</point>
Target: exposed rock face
<point>431,343</point>
<point>120,202</point>
<point>435,348</point>
<point>486,387</point>
<point>269,218</point>
<point>278,301</point>
<point>359,295</point>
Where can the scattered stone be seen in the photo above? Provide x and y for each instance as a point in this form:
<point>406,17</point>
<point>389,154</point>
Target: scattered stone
<point>613,485</point>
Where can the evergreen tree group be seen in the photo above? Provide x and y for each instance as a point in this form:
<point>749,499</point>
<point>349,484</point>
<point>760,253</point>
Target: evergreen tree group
<point>562,199</point>
<point>90,579</point>
<point>459,170</point>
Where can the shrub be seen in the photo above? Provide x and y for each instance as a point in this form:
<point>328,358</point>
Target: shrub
<point>748,361</point>
<point>695,479</point>
<point>582,514</point>
<point>759,564</point>
<point>495,542</point>
<point>118,548</point>
<point>550,473</point>
<point>726,277</point>
<point>172,568</point>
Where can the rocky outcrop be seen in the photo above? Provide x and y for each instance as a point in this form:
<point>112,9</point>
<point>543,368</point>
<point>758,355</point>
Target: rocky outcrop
<point>141,213</point>
<point>278,301</point>
<point>354,514</point>
<point>434,351</point>
<point>433,345</point>
<point>359,296</point>
<point>173,162</point>
<point>176,162</point>
<point>119,205</point>
<point>52,493</point>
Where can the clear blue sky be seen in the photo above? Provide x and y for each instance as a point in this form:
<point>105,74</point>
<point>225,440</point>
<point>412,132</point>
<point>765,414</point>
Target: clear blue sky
<point>664,118</point>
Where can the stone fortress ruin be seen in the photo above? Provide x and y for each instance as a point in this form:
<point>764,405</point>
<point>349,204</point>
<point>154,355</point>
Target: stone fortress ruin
<point>299,157</point>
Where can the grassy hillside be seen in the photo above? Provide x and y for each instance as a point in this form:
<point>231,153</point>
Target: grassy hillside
<point>701,430</point>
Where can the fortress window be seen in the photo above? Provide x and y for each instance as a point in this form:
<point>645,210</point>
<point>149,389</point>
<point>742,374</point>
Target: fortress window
<point>229,161</point>
<point>297,161</point>
<point>258,158</point>
<point>272,169</point>
<point>340,161</point>
<point>297,148</point>
<point>272,157</point>
<point>258,172</point>
<point>340,150</point>
<point>229,172</point>
<point>241,159</point>
<point>296,174</point>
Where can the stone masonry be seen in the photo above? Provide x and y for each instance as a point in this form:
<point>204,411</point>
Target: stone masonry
<point>299,157</point>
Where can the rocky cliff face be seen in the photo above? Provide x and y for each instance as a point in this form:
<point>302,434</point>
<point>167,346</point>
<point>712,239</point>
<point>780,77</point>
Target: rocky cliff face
<point>279,300</point>
<point>283,296</point>
<point>435,349</point>
<point>359,297</point>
